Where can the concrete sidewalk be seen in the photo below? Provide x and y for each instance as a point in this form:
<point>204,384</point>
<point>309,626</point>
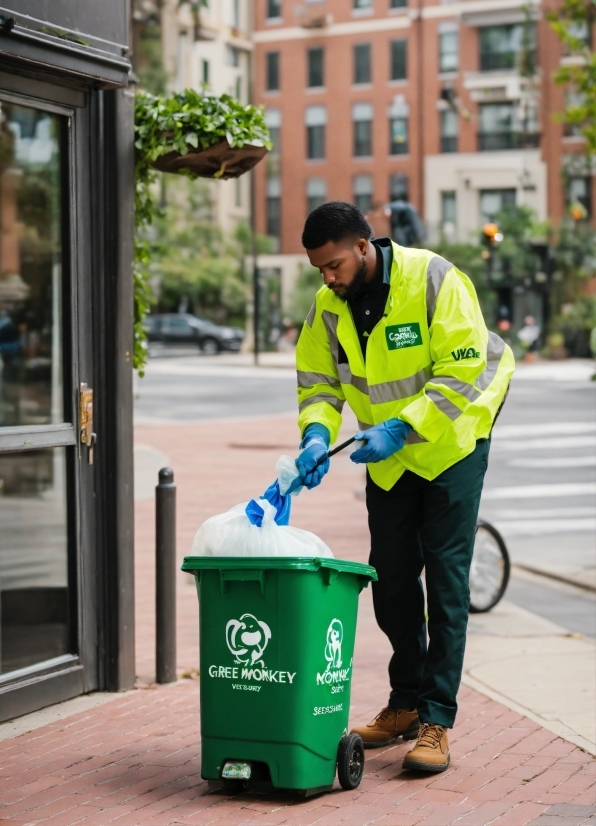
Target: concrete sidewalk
<point>134,759</point>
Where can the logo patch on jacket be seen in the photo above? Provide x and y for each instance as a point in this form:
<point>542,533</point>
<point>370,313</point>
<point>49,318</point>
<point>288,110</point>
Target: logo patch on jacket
<point>465,353</point>
<point>403,335</point>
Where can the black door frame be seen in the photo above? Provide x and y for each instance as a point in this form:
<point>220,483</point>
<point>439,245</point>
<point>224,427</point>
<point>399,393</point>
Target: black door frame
<point>98,306</point>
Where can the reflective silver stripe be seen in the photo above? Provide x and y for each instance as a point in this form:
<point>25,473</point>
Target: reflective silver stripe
<point>444,405</point>
<point>343,370</point>
<point>330,321</point>
<point>494,352</point>
<point>391,391</point>
<point>364,425</point>
<point>336,404</point>
<point>436,271</point>
<point>347,377</point>
<point>461,387</point>
<point>414,438</point>
<point>306,379</point>
<point>311,314</point>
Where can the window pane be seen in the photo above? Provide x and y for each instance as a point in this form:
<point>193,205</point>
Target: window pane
<point>362,4</point>
<point>398,188</point>
<point>316,188</point>
<point>493,201</point>
<point>398,136</point>
<point>363,138</point>
<point>315,139</point>
<point>500,46</point>
<point>272,64</point>
<point>449,131</point>
<point>399,69</point>
<point>362,72</point>
<point>579,191</point>
<point>398,4</point>
<point>316,75</point>
<point>273,216</point>
<point>448,52</point>
<point>448,208</point>
<point>273,8</point>
<point>30,267</point>
<point>34,607</point>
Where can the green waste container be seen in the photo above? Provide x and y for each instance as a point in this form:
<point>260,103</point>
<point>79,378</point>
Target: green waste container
<point>276,647</point>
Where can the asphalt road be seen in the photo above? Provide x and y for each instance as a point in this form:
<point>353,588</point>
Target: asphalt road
<point>541,482</point>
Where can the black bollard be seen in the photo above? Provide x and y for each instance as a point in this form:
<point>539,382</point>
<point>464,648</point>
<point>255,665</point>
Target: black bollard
<point>165,577</point>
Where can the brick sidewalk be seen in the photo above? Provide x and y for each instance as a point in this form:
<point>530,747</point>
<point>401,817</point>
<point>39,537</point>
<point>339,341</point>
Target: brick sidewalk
<point>135,760</point>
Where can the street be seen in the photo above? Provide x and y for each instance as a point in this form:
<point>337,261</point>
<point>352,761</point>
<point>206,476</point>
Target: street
<point>541,480</point>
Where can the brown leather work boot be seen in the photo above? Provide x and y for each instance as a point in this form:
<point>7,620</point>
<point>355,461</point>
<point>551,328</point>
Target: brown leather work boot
<point>387,726</point>
<point>431,752</point>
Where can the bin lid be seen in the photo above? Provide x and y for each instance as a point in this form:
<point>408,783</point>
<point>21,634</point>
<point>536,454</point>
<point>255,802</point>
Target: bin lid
<point>192,564</point>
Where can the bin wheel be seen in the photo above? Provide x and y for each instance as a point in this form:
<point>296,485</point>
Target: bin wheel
<point>350,761</point>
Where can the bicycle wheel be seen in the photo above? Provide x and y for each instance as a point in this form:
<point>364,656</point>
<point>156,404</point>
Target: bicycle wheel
<point>489,572</point>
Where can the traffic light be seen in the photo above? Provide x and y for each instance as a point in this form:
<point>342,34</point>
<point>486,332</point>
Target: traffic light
<point>492,235</point>
<point>578,211</point>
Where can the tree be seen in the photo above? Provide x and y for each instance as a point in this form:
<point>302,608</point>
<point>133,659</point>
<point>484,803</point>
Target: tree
<point>195,264</point>
<point>307,284</point>
<point>573,23</point>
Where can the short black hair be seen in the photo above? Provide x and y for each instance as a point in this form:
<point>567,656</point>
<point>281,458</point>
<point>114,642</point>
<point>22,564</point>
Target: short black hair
<point>334,221</point>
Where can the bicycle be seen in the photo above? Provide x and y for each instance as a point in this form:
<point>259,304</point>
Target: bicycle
<point>490,569</point>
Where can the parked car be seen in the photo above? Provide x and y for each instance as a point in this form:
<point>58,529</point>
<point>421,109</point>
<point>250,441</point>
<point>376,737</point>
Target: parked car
<point>173,329</point>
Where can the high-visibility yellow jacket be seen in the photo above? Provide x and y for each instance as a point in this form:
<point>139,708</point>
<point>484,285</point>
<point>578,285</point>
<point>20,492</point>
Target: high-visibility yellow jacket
<point>430,361</point>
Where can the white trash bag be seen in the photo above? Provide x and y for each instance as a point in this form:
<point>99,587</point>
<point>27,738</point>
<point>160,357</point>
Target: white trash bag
<point>232,534</point>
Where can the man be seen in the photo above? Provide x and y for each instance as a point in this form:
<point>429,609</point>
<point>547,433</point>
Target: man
<point>398,333</point>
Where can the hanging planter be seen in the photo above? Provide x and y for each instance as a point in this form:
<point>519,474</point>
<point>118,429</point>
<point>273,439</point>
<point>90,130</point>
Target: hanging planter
<point>220,161</point>
<point>193,134</point>
<point>200,135</point>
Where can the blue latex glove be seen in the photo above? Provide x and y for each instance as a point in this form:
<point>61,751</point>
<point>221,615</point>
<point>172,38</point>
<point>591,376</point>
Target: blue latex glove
<point>381,441</point>
<point>282,504</point>
<point>314,446</point>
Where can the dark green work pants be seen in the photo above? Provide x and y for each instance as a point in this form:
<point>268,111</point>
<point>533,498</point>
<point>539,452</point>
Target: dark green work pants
<point>415,525</point>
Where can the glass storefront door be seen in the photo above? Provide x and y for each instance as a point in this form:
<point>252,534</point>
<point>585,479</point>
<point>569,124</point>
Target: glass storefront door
<point>36,438</point>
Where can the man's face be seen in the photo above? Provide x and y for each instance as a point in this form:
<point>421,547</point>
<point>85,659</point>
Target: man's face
<point>342,265</point>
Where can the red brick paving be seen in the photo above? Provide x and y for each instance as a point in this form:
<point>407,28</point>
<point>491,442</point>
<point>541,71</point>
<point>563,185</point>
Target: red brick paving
<point>136,760</point>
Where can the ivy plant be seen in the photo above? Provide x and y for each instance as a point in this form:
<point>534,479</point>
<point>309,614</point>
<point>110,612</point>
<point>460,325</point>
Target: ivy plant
<point>184,121</point>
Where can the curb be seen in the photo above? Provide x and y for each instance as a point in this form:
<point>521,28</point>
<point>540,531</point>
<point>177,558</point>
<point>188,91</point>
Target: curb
<point>584,586</point>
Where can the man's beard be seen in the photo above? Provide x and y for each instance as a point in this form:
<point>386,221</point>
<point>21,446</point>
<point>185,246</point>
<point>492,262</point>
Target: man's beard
<point>353,289</point>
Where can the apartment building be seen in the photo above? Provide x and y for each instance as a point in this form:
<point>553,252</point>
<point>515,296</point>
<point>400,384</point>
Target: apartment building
<point>449,105</point>
<point>211,47</point>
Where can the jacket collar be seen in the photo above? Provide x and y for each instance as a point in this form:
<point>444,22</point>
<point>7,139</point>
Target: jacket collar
<point>385,247</point>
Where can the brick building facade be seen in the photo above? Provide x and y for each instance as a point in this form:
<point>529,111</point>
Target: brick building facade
<point>374,100</point>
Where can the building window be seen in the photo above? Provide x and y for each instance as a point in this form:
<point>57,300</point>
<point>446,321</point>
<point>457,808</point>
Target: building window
<point>361,4</point>
<point>449,130</point>
<point>273,207</point>
<point>398,136</point>
<point>493,201</point>
<point>398,4</point>
<point>236,14</point>
<point>273,121</point>
<point>316,120</point>
<point>362,73</point>
<point>497,124</point>
<point>316,193</point>
<point>363,191</point>
<point>399,60</point>
<point>205,72</point>
<point>362,117</point>
<point>500,46</point>
<point>232,55</point>
<point>272,71</point>
<point>579,191</point>
<point>273,8</point>
<point>448,51</point>
<point>316,68</point>
<point>238,192</point>
<point>398,188</point>
<point>448,209</point>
